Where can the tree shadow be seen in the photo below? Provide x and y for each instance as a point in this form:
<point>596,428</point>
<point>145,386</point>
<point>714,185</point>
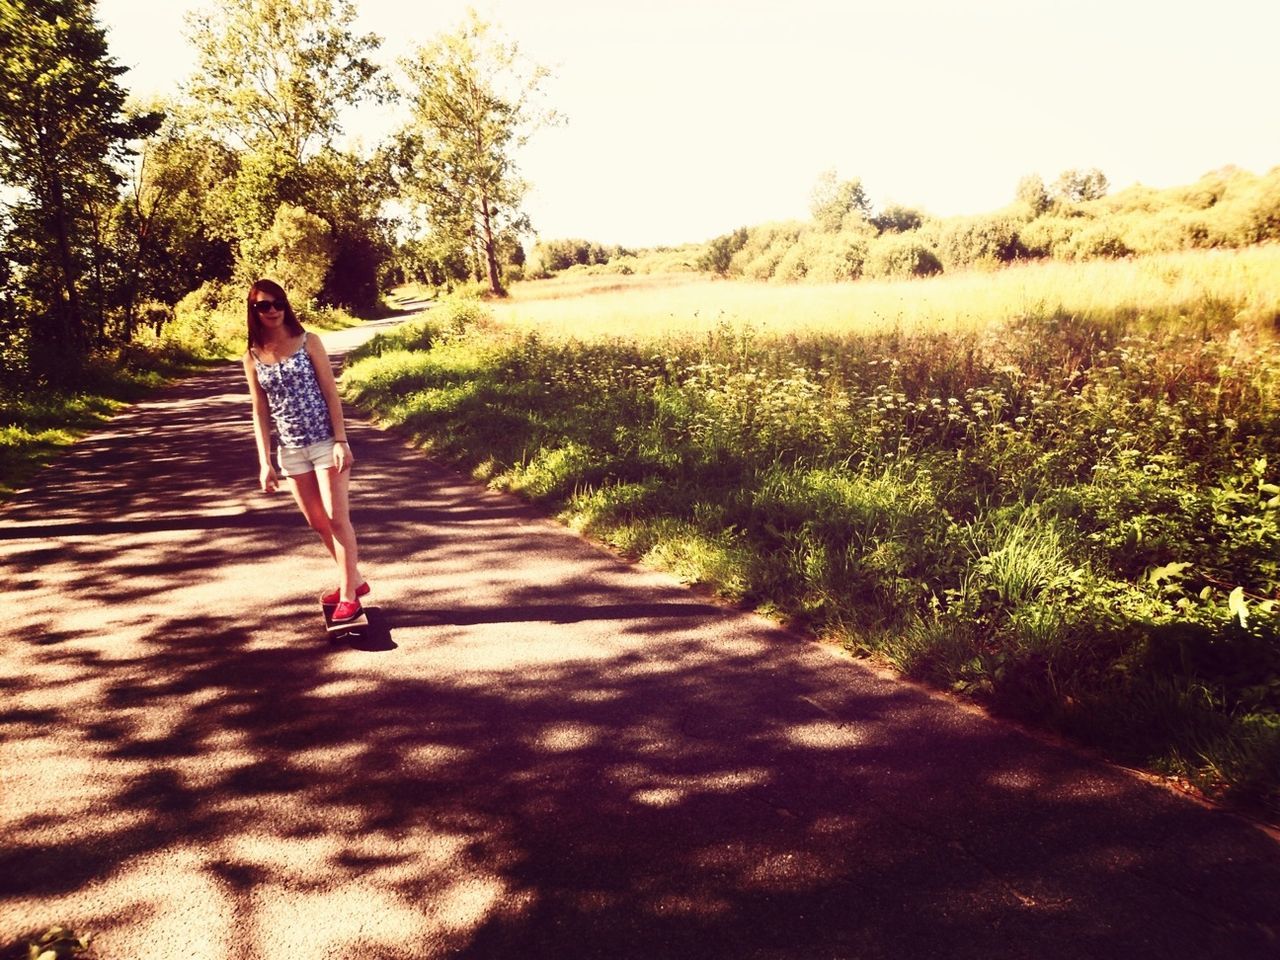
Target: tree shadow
<point>542,751</point>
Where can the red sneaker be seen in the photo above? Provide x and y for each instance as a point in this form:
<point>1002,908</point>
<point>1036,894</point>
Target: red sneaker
<point>347,610</point>
<point>336,594</point>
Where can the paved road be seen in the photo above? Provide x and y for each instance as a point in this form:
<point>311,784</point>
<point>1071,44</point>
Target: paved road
<point>539,751</point>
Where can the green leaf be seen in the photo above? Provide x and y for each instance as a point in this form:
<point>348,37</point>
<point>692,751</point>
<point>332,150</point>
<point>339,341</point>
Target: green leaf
<point>1168,571</point>
<point>1236,604</point>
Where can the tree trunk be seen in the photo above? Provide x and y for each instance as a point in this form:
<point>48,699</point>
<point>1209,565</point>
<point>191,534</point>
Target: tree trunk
<point>490,251</point>
<point>99,288</point>
<point>68,333</point>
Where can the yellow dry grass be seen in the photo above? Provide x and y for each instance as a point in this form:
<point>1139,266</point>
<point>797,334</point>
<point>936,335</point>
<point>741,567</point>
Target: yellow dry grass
<point>1236,287</point>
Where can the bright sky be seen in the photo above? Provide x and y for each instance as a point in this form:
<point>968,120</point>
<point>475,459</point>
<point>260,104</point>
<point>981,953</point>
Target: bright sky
<point>689,118</point>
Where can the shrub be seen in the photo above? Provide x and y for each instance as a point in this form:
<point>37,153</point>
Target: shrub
<point>965,241</point>
<point>1042,236</point>
<point>1136,199</point>
<point>1205,192</point>
<point>1249,210</point>
<point>1166,231</point>
<point>897,219</point>
<point>553,256</point>
<point>792,265</point>
<point>765,247</point>
<point>720,251</point>
<point>832,259</point>
<point>1095,240</point>
<point>895,255</point>
<point>209,321</point>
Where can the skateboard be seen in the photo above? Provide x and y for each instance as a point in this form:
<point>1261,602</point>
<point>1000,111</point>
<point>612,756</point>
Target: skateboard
<point>347,626</point>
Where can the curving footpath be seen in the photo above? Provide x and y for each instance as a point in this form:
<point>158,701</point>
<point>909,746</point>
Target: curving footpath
<point>537,751</point>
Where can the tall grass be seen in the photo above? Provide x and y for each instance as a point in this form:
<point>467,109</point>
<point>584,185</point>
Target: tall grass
<point>1218,288</point>
<point>1069,510</point>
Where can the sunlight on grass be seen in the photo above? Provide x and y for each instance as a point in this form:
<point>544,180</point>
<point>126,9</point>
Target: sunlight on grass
<point>1041,486</point>
<point>1238,287</point>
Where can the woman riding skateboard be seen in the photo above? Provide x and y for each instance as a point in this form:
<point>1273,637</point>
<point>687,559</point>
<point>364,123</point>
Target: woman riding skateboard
<point>292,387</point>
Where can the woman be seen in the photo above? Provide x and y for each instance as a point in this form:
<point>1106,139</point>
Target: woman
<point>290,379</point>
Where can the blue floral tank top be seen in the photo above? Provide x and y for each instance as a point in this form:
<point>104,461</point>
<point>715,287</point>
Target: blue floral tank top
<point>293,393</point>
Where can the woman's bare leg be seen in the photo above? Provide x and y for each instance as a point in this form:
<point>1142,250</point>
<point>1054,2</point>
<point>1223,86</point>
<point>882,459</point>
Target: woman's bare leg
<point>306,493</point>
<point>333,486</point>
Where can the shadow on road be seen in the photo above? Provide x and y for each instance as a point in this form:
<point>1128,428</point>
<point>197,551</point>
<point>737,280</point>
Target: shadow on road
<point>534,751</point>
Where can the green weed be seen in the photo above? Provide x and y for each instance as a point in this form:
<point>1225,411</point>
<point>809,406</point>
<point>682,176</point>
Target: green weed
<point>1073,516</point>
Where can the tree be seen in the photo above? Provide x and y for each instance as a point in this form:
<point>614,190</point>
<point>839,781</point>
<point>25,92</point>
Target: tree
<point>833,201</point>
<point>272,78</point>
<point>349,191</point>
<point>167,233</point>
<point>473,104</point>
<point>720,251</point>
<point>896,218</point>
<point>273,74</point>
<point>297,252</point>
<point>1077,186</point>
<point>1033,194</point>
<point>62,125</point>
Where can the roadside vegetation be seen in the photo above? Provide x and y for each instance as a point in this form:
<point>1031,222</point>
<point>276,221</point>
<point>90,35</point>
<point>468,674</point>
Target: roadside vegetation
<point>36,424</point>
<point>1065,509</point>
<point>130,230</point>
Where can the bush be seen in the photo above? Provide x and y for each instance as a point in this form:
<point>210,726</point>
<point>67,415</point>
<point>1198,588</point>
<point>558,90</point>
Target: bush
<point>1042,236</point>
<point>832,259</point>
<point>897,219</point>
<point>824,257</point>
<point>763,249</point>
<point>1205,192</point>
<point>1096,240</point>
<point>895,255</point>
<point>1249,210</point>
<point>965,241</point>
<point>792,265</point>
<point>1167,231</point>
<point>209,321</point>
<point>553,256</point>
<point>720,251</point>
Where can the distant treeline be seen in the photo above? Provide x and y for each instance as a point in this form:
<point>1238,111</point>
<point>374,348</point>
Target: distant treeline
<point>1071,219</point>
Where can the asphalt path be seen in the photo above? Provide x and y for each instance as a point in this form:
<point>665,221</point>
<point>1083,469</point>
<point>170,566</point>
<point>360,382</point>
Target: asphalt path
<point>536,750</point>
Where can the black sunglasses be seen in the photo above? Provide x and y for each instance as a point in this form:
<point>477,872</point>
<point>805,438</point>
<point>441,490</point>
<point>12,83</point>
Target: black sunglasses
<point>262,306</point>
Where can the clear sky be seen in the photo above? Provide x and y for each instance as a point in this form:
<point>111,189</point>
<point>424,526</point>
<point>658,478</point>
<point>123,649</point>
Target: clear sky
<point>689,118</point>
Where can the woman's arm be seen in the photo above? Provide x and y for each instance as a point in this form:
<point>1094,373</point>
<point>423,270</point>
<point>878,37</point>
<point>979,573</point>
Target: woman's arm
<point>342,457</point>
<point>261,427</point>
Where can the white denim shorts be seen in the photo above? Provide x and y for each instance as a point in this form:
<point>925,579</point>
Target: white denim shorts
<point>297,460</point>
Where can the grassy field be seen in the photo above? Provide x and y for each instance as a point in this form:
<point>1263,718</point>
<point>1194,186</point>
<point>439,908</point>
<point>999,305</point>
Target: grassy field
<point>1055,488</point>
<point>1240,288</point>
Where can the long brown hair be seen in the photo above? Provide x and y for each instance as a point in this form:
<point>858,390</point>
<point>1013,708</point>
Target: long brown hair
<point>276,292</point>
